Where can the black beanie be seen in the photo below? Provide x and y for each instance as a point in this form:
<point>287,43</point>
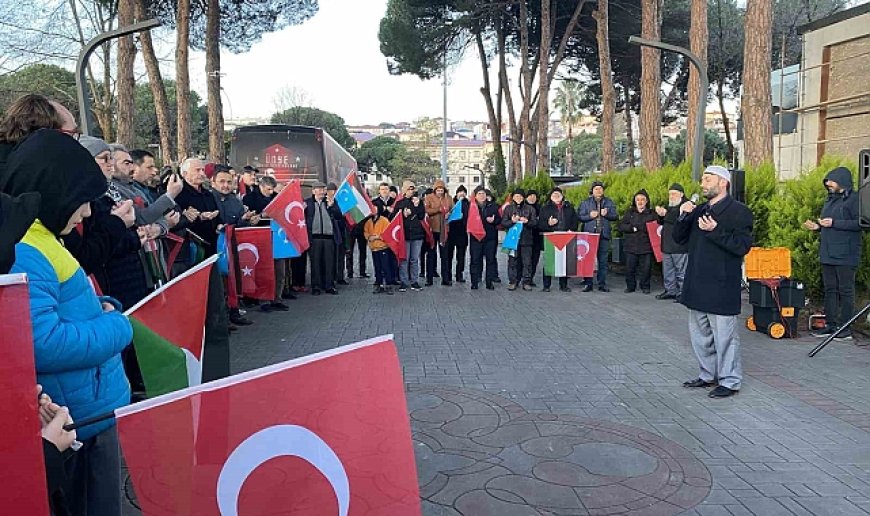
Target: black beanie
<point>479,188</point>
<point>518,191</point>
<point>678,187</point>
<point>531,192</point>
<point>594,184</point>
<point>461,188</point>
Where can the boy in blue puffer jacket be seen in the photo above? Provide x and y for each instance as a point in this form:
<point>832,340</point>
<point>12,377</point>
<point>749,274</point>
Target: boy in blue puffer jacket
<point>77,336</point>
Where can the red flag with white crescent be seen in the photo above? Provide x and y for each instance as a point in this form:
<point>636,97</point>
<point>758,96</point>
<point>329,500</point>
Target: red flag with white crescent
<point>654,230</point>
<point>22,481</point>
<point>256,263</point>
<point>587,252</point>
<point>288,210</point>
<point>291,436</point>
<point>394,236</point>
<point>475,223</point>
<point>430,238</point>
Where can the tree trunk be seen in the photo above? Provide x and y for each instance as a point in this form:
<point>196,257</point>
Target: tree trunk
<point>182,79</point>
<point>216,149</point>
<point>650,88</point>
<point>104,99</point>
<point>486,91</point>
<point>527,74</point>
<point>629,132</point>
<point>158,90</point>
<point>504,86</point>
<point>698,39</point>
<point>126,82</point>
<point>756,101</point>
<point>608,95</point>
<point>720,94</point>
<point>543,111</point>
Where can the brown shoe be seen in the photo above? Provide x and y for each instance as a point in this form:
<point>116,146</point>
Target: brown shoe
<point>527,287</point>
<point>512,286</point>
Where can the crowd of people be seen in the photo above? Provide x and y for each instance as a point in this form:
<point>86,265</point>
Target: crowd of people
<point>97,226</point>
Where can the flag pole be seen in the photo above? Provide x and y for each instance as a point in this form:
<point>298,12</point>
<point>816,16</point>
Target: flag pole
<point>88,421</point>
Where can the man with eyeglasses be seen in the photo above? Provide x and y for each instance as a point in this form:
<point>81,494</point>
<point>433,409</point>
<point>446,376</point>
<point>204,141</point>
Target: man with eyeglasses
<point>147,212</point>
<point>413,209</point>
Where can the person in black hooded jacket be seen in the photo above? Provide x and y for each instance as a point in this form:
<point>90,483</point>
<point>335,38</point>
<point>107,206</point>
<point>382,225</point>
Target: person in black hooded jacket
<point>638,250</point>
<point>839,251</point>
<point>457,238</point>
<point>557,215</point>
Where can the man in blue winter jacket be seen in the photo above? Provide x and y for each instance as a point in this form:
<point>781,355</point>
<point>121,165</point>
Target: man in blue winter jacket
<point>839,250</point>
<point>595,214</point>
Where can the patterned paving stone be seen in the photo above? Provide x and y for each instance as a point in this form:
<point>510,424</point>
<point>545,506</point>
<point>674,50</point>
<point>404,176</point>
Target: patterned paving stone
<point>547,463</point>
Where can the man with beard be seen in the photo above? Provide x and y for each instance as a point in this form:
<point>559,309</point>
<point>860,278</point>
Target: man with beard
<point>673,254</point>
<point>718,234</point>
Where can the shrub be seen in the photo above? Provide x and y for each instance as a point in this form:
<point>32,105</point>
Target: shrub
<point>760,190</point>
<point>542,183</point>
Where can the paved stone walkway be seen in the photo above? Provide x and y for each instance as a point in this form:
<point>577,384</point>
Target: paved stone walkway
<point>570,403</point>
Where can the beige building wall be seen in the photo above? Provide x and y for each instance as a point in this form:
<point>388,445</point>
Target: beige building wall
<point>841,128</point>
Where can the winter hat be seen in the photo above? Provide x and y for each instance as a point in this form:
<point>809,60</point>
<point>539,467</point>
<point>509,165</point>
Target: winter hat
<point>461,188</point>
<point>94,145</point>
<point>518,191</point>
<point>677,187</point>
<point>439,184</point>
<point>594,184</point>
<point>331,187</point>
<point>720,171</point>
<point>555,189</point>
<point>58,168</point>
<point>209,170</point>
<point>479,188</point>
<point>318,184</point>
<point>531,192</point>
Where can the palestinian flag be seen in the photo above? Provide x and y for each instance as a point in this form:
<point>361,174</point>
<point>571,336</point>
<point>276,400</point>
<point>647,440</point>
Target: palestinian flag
<point>560,254</point>
<point>169,348</point>
<point>351,202</point>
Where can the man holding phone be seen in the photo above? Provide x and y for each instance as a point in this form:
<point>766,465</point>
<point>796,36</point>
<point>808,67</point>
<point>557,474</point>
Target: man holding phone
<point>839,251</point>
<point>198,206</point>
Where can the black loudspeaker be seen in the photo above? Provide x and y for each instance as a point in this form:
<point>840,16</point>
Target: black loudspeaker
<point>737,188</point>
<point>864,189</point>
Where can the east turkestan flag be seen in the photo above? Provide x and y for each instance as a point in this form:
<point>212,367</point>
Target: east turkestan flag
<point>351,202</point>
<point>169,347</point>
<point>288,210</point>
<point>560,254</point>
<point>292,438</point>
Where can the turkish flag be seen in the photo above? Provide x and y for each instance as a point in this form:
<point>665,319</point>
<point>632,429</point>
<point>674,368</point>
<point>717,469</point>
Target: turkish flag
<point>323,434</point>
<point>288,210</point>
<point>255,262</point>
<point>22,481</point>
<point>587,252</point>
<point>394,236</point>
<point>430,239</point>
<point>475,223</point>
<point>654,230</point>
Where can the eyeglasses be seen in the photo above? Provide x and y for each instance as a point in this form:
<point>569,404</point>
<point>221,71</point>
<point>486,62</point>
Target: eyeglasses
<point>73,133</point>
<point>410,188</point>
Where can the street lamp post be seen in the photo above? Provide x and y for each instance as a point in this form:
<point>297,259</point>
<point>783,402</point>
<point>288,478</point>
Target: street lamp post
<point>444,126</point>
<point>702,93</point>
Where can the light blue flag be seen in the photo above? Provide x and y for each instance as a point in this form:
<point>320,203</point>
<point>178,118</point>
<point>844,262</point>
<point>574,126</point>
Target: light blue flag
<point>222,263</point>
<point>282,247</point>
<point>512,237</point>
<point>456,212</point>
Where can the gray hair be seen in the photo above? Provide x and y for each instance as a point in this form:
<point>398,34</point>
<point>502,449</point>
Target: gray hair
<point>116,147</point>
<point>267,181</point>
<point>185,165</point>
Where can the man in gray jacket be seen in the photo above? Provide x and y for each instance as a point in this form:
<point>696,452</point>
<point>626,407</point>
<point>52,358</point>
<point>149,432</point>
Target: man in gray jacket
<point>839,250</point>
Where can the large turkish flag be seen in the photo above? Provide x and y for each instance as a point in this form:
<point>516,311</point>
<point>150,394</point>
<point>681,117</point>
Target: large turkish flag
<point>326,434</point>
<point>394,236</point>
<point>587,251</point>
<point>22,479</point>
<point>654,230</point>
<point>288,210</point>
<point>255,262</point>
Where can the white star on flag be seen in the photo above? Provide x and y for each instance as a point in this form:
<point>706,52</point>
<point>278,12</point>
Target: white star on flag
<point>247,271</point>
<point>301,223</point>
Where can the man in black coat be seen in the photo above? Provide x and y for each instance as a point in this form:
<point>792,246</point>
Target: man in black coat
<point>320,216</point>
<point>557,215</point>
<point>638,249</point>
<point>457,239</point>
<point>198,207</point>
<point>839,251</point>
<point>485,248</point>
<point>673,254</point>
<point>520,262</point>
<point>719,235</point>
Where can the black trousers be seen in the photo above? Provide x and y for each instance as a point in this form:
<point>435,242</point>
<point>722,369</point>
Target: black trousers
<point>362,246</point>
<point>520,266</point>
<point>340,249</point>
<point>839,281</point>
<point>432,258</point>
<point>480,252</point>
<point>297,269</point>
<point>638,263</point>
<point>548,280</point>
<point>322,254</point>
<point>458,250</point>
<point>537,246</point>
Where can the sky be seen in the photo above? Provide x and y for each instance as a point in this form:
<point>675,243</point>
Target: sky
<point>335,57</point>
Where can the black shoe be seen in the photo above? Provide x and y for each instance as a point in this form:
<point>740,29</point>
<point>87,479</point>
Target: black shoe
<point>388,291</point>
<point>545,289</point>
<point>350,274</point>
<point>378,290</point>
<point>603,289</point>
<point>429,283</point>
<point>825,332</point>
<point>230,328</point>
<point>315,292</point>
<point>527,287</point>
<point>497,280</point>
<point>332,291</point>
<point>564,289</point>
<point>342,282</point>
<point>512,286</point>
<point>437,275</point>
<point>288,294</point>
<point>474,286</point>
<point>277,305</point>
<point>267,308</point>
<point>628,290</point>
<point>587,288</point>
<point>721,392</point>
<point>460,279</point>
<point>533,284</point>
<point>490,286</point>
<point>665,295</point>
<point>844,336</point>
<point>238,320</point>
<point>645,290</point>
<point>697,382</point>
<point>403,287</point>
<point>677,299</point>
<point>445,283</point>
<point>416,287</point>
<point>364,275</point>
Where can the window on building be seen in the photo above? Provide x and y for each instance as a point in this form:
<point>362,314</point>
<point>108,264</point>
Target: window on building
<point>380,177</point>
<point>477,154</point>
<point>461,179</point>
<point>476,179</point>
<point>463,155</point>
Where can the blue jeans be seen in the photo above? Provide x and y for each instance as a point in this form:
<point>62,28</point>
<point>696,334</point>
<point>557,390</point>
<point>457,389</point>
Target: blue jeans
<point>95,473</point>
<point>383,267</point>
<point>603,255</point>
<point>409,268</point>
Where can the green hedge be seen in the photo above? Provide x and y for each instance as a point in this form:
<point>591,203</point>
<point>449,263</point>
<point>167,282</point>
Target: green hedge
<point>779,209</point>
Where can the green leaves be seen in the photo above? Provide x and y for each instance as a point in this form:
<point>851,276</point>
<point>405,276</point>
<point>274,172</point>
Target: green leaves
<point>330,122</point>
